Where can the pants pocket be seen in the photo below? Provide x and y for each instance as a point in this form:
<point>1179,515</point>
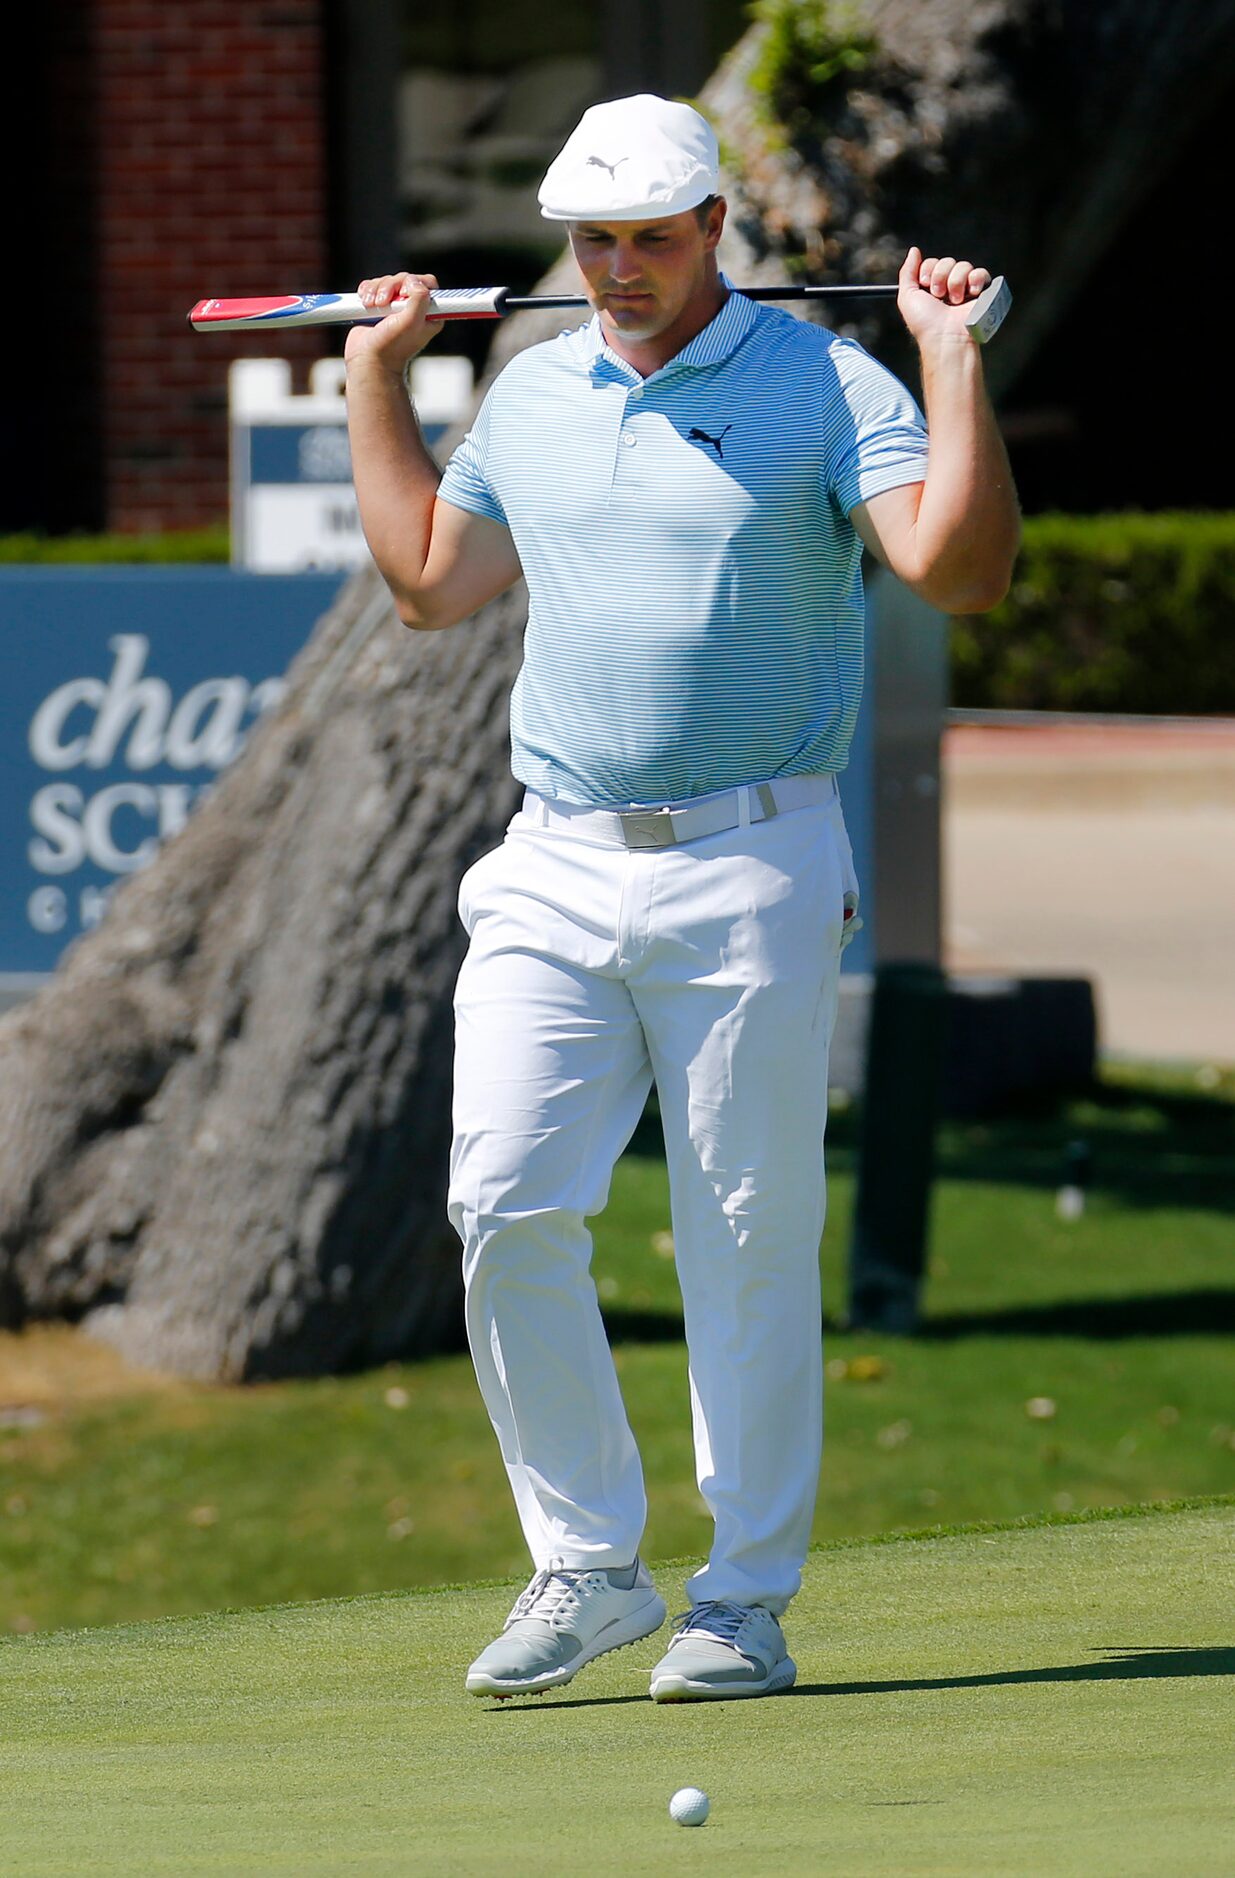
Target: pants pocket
<point>852,918</point>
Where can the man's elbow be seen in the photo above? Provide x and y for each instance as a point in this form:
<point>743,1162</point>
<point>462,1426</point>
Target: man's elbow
<point>980,594</point>
<point>414,617</point>
<point>974,585</point>
<point>417,612</point>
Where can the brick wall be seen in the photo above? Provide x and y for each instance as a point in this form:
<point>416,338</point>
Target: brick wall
<point>210,180</point>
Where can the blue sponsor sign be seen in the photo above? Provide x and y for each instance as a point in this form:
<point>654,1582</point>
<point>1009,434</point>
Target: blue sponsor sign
<point>127,690</point>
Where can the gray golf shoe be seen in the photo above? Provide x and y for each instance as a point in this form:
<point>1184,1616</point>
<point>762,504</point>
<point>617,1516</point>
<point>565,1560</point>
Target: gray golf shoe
<point>721,1649</point>
<point>563,1620</point>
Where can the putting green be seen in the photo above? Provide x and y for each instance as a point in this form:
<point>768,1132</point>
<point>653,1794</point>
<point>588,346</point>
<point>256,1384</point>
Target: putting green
<point>1047,1699</point>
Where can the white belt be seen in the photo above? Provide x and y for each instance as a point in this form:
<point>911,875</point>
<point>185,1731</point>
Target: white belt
<point>668,827</point>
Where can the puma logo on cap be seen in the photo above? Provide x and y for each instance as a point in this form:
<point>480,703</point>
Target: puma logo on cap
<point>672,163</point>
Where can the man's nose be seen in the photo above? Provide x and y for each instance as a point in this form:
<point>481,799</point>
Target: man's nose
<point>625,263</point>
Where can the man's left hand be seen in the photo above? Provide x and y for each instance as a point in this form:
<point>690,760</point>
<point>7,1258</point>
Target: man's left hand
<point>935,293</point>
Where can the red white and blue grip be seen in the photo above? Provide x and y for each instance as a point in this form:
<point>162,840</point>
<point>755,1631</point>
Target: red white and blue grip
<point>336,309</point>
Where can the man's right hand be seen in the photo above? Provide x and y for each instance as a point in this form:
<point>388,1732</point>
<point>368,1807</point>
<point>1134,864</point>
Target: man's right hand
<point>404,332</point>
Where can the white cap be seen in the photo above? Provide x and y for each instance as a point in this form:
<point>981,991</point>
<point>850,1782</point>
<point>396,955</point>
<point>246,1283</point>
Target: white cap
<point>632,160</point>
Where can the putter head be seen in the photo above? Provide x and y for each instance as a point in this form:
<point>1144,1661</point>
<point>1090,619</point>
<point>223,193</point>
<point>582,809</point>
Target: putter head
<point>989,310</point>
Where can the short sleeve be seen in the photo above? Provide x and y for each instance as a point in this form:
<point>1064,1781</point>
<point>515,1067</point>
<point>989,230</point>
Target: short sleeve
<point>467,479</point>
<point>875,430</point>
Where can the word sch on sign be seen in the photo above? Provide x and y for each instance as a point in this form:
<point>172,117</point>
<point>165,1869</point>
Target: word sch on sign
<point>131,719</point>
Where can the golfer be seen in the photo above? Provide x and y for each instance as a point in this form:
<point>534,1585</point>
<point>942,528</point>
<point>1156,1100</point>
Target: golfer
<point>686,484</point>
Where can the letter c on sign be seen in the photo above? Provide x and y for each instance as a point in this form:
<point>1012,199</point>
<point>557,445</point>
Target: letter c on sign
<point>97,827</point>
<point>48,745</point>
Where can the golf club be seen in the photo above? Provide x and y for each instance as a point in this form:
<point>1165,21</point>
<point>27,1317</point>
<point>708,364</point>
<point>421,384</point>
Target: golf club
<point>984,316</point>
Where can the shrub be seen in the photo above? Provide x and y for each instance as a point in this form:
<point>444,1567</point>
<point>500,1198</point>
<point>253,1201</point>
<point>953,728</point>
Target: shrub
<point>808,51</point>
<point>1122,613</point>
<point>188,544</point>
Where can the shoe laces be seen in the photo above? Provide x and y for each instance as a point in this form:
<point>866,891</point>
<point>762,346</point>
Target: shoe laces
<point>553,1597</point>
<point>716,1618</point>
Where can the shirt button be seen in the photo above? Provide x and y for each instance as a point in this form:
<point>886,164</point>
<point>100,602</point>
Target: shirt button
<point>628,437</point>
<point>637,392</point>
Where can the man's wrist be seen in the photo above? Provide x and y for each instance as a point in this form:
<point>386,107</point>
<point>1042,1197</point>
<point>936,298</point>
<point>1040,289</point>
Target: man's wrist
<point>370,368</point>
<point>948,342</point>
<point>952,356</point>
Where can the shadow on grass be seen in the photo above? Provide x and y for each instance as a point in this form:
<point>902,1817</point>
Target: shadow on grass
<point>1149,1145</point>
<point>536,1705</point>
<point>1122,1665</point>
<point>628,1326</point>
<point>1209,1312</point>
<point>1206,1312</point>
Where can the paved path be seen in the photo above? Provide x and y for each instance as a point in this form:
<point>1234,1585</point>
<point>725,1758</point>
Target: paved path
<point>1107,852</point>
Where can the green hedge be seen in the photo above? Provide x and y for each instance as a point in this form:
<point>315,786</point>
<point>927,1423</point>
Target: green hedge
<point>188,544</point>
<point>1114,613</point>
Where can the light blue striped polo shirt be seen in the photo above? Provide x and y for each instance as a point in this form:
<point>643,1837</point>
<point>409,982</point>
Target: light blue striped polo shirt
<point>696,612</point>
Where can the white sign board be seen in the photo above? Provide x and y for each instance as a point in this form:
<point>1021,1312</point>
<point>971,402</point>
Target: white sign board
<point>293,507</point>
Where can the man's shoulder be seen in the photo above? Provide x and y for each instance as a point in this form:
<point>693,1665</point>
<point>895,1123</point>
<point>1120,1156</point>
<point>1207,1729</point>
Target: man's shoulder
<point>802,343</point>
<point>565,355</point>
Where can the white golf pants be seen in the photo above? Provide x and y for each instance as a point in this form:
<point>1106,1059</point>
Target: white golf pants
<point>592,968</point>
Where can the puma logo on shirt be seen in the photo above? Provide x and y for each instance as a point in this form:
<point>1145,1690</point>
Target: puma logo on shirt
<point>701,436</point>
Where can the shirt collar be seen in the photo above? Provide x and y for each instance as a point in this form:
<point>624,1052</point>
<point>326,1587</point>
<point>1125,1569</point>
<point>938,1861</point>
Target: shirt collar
<point>719,339</point>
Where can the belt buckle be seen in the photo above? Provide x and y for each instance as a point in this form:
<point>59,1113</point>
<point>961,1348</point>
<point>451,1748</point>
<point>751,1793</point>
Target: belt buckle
<point>648,828</point>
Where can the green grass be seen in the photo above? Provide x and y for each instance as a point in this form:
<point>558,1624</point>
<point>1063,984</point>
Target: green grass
<point>1049,1700</point>
<point>1116,1329</point>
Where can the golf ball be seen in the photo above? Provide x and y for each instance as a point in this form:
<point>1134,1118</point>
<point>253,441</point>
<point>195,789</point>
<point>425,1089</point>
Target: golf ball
<point>690,1806</point>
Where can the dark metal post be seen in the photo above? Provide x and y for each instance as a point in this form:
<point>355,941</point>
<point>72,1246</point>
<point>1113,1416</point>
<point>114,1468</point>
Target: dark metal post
<point>896,1149</point>
<point>365,59</point>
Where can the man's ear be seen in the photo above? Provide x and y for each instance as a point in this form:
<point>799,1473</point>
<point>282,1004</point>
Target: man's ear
<point>716,221</point>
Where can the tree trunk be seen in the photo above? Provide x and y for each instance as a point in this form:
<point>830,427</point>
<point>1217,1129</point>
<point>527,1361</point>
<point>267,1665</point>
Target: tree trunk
<point>224,1125</point>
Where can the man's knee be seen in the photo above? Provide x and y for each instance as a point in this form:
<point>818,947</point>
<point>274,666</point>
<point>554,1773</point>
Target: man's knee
<point>526,1246</point>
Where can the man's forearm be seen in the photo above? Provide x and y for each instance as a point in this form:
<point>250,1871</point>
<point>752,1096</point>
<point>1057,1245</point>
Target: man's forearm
<point>968,525</point>
<point>394,475</point>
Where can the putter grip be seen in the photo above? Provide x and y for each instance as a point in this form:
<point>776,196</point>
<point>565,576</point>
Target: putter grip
<point>338,309</point>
